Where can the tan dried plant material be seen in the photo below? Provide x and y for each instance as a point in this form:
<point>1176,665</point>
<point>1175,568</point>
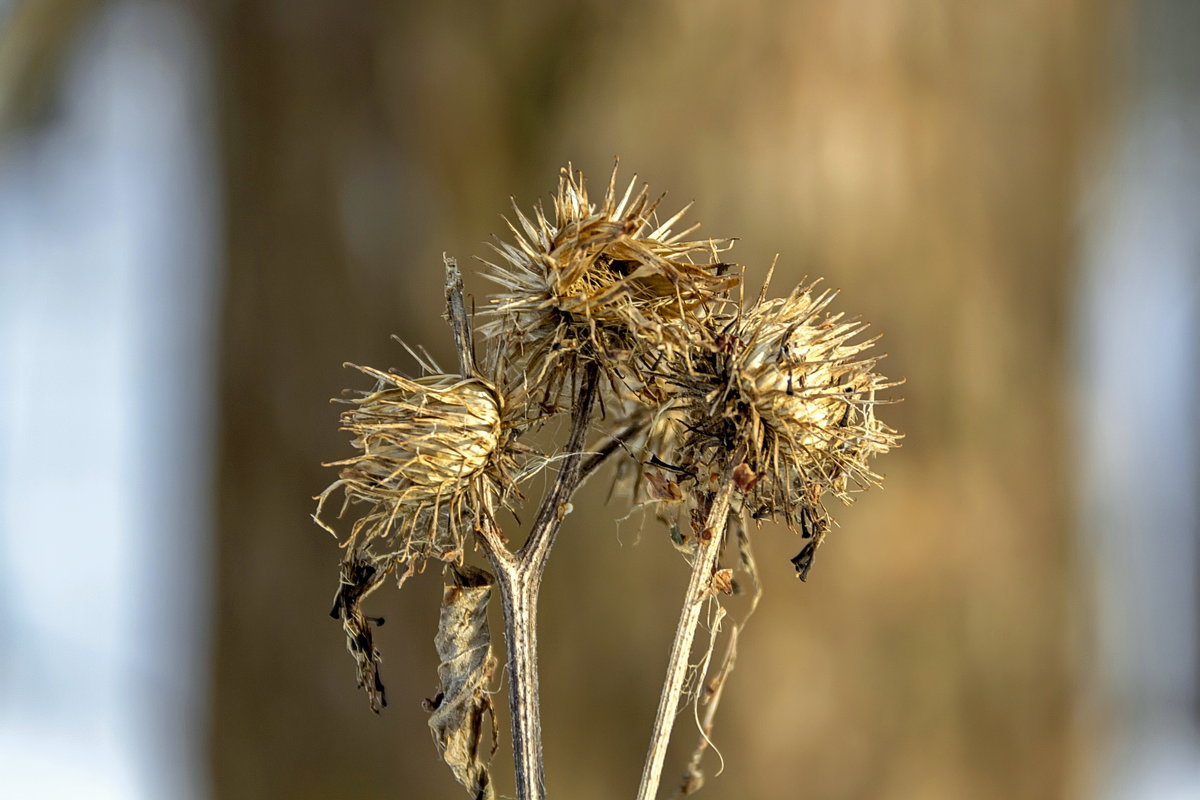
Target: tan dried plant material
<point>727,413</point>
<point>804,376</point>
<point>462,708</point>
<point>722,581</point>
<point>430,458</point>
<point>357,580</point>
<point>646,477</point>
<point>744,477</point>
<point>795,385</point>
<point>709,697</point>
<point>663,488</point>
<point>599,283</point>
<point>432,455</point>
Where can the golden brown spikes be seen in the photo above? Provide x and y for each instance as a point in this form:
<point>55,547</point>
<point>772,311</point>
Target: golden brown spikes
<point>604,283</point>
<point>789,381</point>
<point>430,458</point>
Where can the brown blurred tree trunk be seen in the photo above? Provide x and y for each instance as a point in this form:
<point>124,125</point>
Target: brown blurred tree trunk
<point>298,93</point>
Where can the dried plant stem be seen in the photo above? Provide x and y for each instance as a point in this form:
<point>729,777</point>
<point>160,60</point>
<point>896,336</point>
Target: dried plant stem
<point>456,314</point>
<point>519,590</point>
<point>699,589</point>
<point>593,290</point>
<point>519,576</point>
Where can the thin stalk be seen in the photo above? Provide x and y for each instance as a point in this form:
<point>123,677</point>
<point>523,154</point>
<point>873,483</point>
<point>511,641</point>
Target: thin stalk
<point>456,314</point>
<point>554,507</point>
<point>717,687</point>
<point>519,576</point>
<point>520,632</point>
<point>609,446</point>
<point>699,590</point>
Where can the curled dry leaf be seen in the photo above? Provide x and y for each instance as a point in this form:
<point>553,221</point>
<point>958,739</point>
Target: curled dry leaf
<point>463,705</point>
<point>358,579</point>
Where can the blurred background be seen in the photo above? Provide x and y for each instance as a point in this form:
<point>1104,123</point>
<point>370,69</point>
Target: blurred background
<point>207,207</point>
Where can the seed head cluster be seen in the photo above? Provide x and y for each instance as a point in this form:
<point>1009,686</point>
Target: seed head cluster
<point>694,377</point>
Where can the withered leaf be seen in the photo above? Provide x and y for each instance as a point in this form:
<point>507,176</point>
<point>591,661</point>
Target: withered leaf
<point>803,560</point>
<point>813,523</point>
<point>464,647</point>
<point>357,580</point>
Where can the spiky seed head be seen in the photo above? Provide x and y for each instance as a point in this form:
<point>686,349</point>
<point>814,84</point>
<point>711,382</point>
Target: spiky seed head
<point>599,283</point>
<point>803,375</point>
<point>430,457</point>
<point>791,383</point>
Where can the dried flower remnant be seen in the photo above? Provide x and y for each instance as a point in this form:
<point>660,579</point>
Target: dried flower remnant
<point>432,456</point>
<point>791,382</point>
<point>726,413</point>
<point>806,378</point>
<point>429,460</point>
<point>773,408</point>
<point>647,478</point>
<point>599,284</point>
<point>359,579</point>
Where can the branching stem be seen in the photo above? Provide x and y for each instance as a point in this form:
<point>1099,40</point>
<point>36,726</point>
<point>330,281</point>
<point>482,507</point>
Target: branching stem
<point>519,576</point>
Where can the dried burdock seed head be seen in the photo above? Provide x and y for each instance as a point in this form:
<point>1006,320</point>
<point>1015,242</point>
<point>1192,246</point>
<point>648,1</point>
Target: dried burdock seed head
<point>730,412</point>
<point>794,385</point>
<point>803,374</point>
<point>600,283</point>
<point>432,456</point>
